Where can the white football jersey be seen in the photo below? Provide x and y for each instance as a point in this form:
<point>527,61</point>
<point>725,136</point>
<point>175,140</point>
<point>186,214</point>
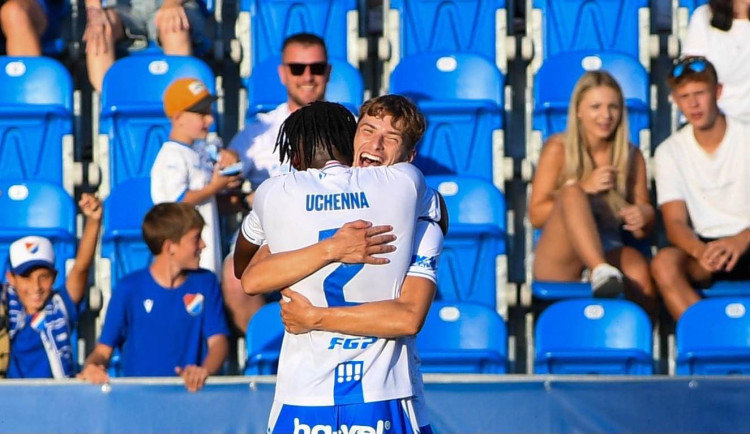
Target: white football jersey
<point>299,209</point>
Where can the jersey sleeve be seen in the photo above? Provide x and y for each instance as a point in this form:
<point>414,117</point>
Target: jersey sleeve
<point>668,182</point>
<point>169,178</point>
<point>115,324</point>
<point>428,204</point>
<point>252,230</point>
<point>214,321</point>
<point>428,244</point>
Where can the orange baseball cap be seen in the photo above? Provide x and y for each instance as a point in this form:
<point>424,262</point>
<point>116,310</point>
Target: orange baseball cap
<point>187,95</point>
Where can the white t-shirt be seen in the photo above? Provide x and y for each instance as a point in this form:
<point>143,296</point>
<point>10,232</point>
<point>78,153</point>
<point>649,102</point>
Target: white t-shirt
<point>730,54</point>
<point>255,145</point>
<point>299,209</point>
<point>715,187</point>
<point>177,169</point>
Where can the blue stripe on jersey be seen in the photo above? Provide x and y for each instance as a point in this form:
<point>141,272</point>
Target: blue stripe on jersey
<point>347,384</point>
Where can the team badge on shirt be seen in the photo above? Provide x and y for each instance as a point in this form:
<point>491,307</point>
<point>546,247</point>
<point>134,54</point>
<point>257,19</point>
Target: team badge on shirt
<point>193,303</point>
<point>37,321</point>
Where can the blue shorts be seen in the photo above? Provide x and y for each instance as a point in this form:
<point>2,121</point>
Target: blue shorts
<point>382,417</point>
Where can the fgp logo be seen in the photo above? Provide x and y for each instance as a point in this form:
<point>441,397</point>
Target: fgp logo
<point>379,428</point>
<point>352,343</point>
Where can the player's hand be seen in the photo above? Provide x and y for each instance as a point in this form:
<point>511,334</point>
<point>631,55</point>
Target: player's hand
<point>356,242</point>
<point>194,376</point>
<point>633,217</point>
<point>91,206</point>
<point>94,373</point>
<point>98,32</point>
<point>297,313</point>
<point>171,18</point>
<point>601,179</point>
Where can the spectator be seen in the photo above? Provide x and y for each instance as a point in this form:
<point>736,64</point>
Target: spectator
<point>304,72</point>
<point>720,31</point>
<point>167,318</point>
<point>24,22</point>
<point>590,186</point>
<point>174,24</point>
<point>703,189</point>
<point>184,170</point>
<point>42,318</point>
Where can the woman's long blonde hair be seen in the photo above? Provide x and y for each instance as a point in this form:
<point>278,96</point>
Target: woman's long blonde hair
<point>578,161</point>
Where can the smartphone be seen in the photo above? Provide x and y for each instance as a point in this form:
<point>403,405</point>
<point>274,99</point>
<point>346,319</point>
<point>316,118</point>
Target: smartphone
<point>231,170</point>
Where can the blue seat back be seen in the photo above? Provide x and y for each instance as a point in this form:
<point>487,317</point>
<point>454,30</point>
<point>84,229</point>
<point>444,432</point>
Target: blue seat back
<point>556,79</point>
<point>265,90</point>
<point>37,208</point>
<point>599,25</point>
<point>460,337</point>
<point>713,337</point>
<point>36,112</point>
<point>272,21</point>
<point>265,333</point>
<point>727,288</point>
<point>593,337</point>
<point>459,26</point>
<point>133,117</point>
<point>461,96</point>
<point>476,236</point>
<point>122,239</point>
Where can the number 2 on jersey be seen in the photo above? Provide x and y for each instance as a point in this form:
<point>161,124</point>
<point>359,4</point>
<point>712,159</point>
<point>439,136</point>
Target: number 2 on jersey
<point>333,285</point>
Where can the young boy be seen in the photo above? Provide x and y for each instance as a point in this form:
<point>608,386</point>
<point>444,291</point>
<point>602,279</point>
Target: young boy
<point>167,318</point>
<point>184,170</point>
<point>42,318</point>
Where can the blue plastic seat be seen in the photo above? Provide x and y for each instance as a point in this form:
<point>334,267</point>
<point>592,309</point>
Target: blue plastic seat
<point>36,121</point>
<point>37,208</point>
<point>728,289</point>
<point>262,26</point>
<point>122,238</point>
<point>461,95</point>
<point>611,337</point>
<point>263,340</point>
<point>132,124</point>
<point>265,90</point>
<point>713,337</point>
<point>460,337</point>
<point>472,265</point>
<point>460,26</point>
<point>562,26</point>
<point>554,83</point>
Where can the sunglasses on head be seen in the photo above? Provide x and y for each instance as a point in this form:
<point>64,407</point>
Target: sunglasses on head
<point>692,64</point>
<point>318,68</point>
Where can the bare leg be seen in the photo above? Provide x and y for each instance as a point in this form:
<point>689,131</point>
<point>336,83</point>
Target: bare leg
<point>673,271</point>
<point>176,43</point>
<point>570,239</point>
<point>241,307</point>
<point>98,63</point>
<point>23,22</point>
<point>638,284</point>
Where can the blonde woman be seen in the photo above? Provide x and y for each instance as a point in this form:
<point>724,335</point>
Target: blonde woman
<point>589,186</point>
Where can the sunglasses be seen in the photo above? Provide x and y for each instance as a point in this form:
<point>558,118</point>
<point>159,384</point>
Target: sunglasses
<point>692,64</point>
<point>318,68</point>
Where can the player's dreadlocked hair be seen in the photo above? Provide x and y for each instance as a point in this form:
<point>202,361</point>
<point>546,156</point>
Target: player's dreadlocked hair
<point>316,133</point>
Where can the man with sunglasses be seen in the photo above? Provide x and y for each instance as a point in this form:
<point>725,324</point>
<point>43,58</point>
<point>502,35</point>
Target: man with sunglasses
<point>304,71</point>
<point>703,189</point>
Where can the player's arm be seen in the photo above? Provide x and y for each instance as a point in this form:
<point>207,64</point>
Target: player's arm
<point>355,242</point>
<point>244,251</point>
<point>405,315</point>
